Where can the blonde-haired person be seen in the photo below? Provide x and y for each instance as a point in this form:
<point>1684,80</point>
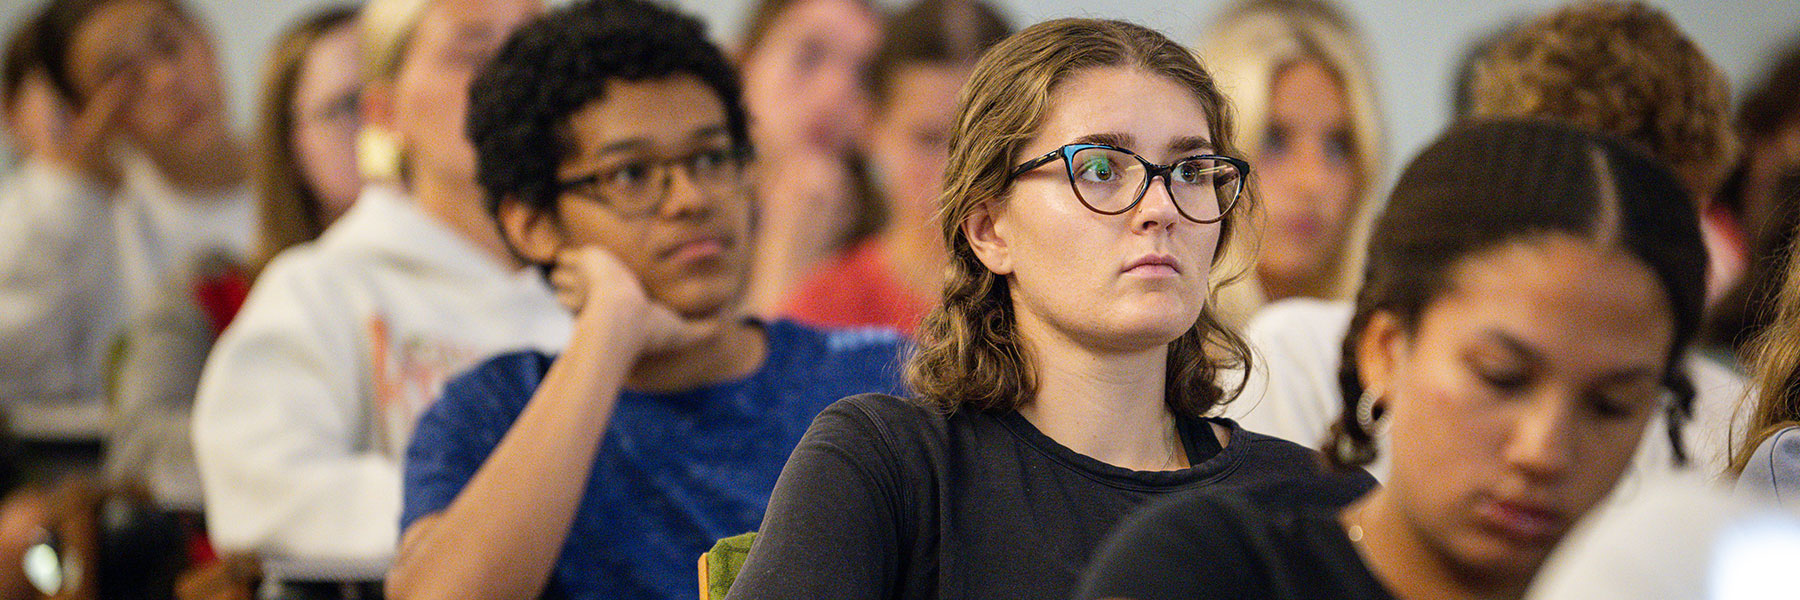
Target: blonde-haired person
<point>1622,68</point>
<point>1298,77</point>
<point>1063,379</point>
<point>307,402</point>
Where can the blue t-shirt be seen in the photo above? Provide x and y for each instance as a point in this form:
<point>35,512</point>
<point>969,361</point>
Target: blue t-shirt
<point>675,472</point>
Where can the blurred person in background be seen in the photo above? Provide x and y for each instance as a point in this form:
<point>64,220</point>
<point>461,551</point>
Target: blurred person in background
<point>891,279</point>
<point>804,65</point>
<point>1655,88</point>
<point>29,110</point>
<point>138,200</point>
<point>305,143</point>
<point>1766,456</point>
<point>307,402</point>
<point>1298,76</point>
<point>306,171</point>
<point>1769,122</point>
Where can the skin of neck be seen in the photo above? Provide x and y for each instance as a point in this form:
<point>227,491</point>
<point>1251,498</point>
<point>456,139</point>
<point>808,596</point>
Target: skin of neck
<point>1107,405</point>
<point>459,203</point>
<point>734,352</point>
<point>1411,568</point>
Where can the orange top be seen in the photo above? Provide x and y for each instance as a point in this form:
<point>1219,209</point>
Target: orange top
<point>858,288</point>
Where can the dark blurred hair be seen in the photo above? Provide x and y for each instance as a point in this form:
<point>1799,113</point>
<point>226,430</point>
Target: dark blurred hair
<point>520,104</point>
<point>289,207</point>
<point>20,61</point>
<point>1775,102</point>
<point>933,32</point>
<point>1771,107</point>
<point>1486,184</point>
<point>60,23</point>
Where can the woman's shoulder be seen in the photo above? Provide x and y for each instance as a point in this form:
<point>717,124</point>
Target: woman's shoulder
<point>884,414</point>
<point>1281,471</point>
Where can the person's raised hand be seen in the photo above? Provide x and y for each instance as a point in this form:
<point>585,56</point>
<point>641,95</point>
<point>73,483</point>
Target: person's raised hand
<point>593,283</point>
<point>88,132</point>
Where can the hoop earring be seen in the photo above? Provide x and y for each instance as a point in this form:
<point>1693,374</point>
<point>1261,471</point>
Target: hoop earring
<point>1366,417</point>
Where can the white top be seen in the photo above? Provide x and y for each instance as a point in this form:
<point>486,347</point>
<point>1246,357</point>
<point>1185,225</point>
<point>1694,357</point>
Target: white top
<point>1680,540</point>
<point>306,404</point>
<point>1293,390</point>
<point>76,261</point>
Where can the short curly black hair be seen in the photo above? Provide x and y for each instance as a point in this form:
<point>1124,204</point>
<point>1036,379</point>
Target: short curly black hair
<point>562,62</point>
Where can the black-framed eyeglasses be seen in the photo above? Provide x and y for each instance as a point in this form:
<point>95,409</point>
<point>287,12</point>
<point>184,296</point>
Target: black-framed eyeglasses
<point>1111,180</point>
<point>639,187</point>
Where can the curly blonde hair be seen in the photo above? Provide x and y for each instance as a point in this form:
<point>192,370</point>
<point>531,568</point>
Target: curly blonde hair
<point>1619,67</point>
<point>968,352</point>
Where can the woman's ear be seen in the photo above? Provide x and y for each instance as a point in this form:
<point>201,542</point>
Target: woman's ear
<point>988,232</point>
<point>532,233</point>
<point>1379,350</point>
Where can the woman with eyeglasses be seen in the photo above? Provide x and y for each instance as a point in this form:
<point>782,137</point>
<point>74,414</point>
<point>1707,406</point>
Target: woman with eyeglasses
<point>1529,291</point>
<point>1064,378</point>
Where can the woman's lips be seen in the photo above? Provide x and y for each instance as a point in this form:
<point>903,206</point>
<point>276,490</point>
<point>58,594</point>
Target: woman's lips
<point>1522,522</point>
<point>1153,265</point>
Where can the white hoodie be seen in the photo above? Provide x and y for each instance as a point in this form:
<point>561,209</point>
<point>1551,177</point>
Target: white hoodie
<point>308,399</point>
<point>76,261</point>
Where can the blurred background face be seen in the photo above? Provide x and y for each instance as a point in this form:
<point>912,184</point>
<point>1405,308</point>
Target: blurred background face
<point>909,140</point>
<point>1519,398</point>
<point>175,106</point>
<point>35,119</point>
<point>453,41</point>
<point>803,82</point>
<point>1305,172</point>
<point>325,120</point>
<point>1081,272</point>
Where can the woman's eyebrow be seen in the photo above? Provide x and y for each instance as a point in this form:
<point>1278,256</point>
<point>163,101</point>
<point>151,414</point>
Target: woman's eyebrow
<point>1115,139</point>
<point>1190,145</point>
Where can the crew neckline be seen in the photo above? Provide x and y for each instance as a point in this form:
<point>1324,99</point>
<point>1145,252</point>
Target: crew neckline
<point>1218,465</point>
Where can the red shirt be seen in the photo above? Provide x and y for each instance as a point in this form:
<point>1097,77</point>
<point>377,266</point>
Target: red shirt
<point>858,288</point>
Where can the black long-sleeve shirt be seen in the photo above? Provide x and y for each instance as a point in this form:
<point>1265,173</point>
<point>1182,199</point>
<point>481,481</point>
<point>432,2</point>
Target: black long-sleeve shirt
<point>885,498</point>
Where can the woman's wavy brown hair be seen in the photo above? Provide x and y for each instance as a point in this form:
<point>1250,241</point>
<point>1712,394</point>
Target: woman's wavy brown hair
<point>969,353</point>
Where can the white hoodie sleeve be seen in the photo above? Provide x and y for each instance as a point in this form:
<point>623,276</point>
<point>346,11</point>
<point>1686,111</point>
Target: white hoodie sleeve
<point>59,304</point>
<point>280,428</point>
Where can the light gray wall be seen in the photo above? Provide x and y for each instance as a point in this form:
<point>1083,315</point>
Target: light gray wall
<point>1415,44</point>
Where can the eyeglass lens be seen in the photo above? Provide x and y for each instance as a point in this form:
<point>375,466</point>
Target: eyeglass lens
<point>1110,181</point>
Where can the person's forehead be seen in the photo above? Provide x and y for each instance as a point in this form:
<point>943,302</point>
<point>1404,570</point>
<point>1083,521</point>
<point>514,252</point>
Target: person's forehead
<point>633,110</point>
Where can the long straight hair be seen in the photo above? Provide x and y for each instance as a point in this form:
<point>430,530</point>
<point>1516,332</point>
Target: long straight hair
<point>288,209</point>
